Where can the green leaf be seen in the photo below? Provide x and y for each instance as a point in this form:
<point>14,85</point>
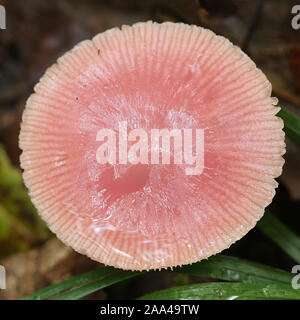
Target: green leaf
<point>291,124</point>
<point>226,291</point>
<point>83,284</point>
<point>235,269</point>
<point>281,235</point>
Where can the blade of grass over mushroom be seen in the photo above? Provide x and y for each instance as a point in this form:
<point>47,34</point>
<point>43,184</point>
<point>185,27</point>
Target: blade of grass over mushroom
<point>226,291</point>
<point>103,277</point>
<point>291,124</point>
<point>235,269</point>
<point>281,235</point>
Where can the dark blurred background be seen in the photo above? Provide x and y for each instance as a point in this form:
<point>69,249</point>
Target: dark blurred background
<point>39,31</point>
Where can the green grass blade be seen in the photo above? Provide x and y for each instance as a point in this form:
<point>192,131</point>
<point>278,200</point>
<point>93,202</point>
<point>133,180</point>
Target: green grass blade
<point>65,285</point>
<point>281,235</point>
<point>291,124</point>
<point>97,285</point>
<point>226,291</point>
<point>235,269</point>
<point>80,281</point>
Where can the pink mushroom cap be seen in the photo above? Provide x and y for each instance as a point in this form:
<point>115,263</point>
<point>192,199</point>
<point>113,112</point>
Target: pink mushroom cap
<point>143,216</point>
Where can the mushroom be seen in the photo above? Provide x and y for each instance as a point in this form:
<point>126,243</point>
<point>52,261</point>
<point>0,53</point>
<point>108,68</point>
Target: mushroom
<point>141,216</point>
